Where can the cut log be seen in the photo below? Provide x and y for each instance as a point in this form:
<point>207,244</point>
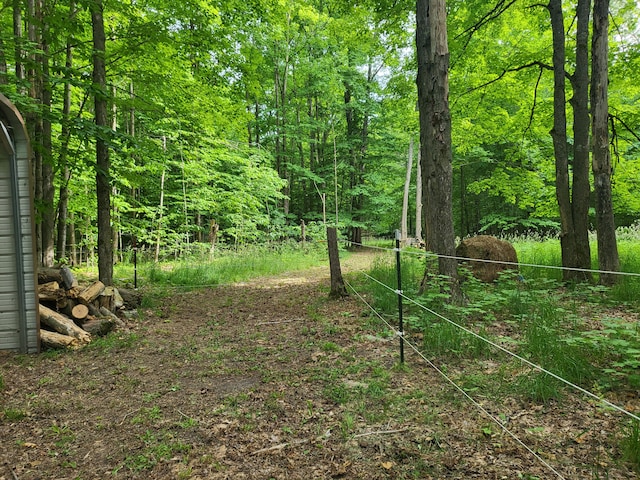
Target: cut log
<point>92,292</point>
<point>62,324</point>
<point>49,292</point>
<point>80,312</point>
<point>131,298</point>
<point>118,301</point>
<point>99,326</point>
<point>107,299</point>
<point>68,278</point>
<point>57,340</point>
<point>116,320</point>
<point>46,275</point>
<point>74,292</point>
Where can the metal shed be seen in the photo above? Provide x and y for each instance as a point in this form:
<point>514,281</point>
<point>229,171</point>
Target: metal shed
<point>19,321</point>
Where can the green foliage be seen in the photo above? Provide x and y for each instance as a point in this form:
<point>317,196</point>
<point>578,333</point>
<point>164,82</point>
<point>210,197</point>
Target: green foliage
<point>156,448</point>
<point>535,315</point>
<point>631,445</point>
<point>258,115</point>
<point>13,415</point>
<point>230,266</point>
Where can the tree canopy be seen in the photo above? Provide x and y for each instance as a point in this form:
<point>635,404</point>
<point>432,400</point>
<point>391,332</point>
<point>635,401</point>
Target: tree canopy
<point>256,115</point>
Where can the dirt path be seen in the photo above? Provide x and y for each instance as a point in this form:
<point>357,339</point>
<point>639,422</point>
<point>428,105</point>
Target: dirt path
<point>262,380</point>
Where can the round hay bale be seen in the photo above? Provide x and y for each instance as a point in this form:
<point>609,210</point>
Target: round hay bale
<point>486,247</point>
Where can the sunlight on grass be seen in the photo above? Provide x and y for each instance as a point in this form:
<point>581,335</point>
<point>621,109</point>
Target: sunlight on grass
<point>225,267</point>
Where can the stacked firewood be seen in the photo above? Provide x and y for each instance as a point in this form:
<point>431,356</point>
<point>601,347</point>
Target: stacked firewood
<point>71,315</point>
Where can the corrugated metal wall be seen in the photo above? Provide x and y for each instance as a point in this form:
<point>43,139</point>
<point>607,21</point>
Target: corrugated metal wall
<point>18,303</point>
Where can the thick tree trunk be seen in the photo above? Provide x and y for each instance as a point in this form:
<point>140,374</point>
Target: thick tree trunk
<point>34,116</point>
<point>608,259</point>
<point>435,134</point>
<point>103,187</point>
<point>338,289</point>
<point>48,211</point>
<point>581,189</point>
<point>559,136</point>
<point>65,172</point>
<point>19,53</point>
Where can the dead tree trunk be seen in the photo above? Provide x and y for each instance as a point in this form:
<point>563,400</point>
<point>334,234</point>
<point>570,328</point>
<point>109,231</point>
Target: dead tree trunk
<point>338,290</point>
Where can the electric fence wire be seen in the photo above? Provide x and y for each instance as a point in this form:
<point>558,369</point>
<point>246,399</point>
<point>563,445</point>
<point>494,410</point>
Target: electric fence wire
<point>483,410</point>
<point>509,352</point>
<point>501,262</point>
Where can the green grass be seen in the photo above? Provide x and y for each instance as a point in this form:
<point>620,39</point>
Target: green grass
<point>230,267</point>
<point>631,445</point>
<point>544,314</point>
<point>157,447</point>
<point>13,415</point>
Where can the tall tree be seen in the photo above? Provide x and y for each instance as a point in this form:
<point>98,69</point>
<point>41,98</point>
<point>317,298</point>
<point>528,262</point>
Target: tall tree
<point>581,189</point>
<point>435,132</point>
<point>65,134</point>
<point>103,184</point>
<point>48,212</point>
<point>608,259</point>
<point>573,197</point>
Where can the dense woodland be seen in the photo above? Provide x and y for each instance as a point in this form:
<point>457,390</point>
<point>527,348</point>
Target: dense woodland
<point>235,121</point>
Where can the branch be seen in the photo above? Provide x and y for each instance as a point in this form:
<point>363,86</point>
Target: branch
<point>494,13</point>
<point>535,102</point>
<point>542,66</point>
<point>626,127</point>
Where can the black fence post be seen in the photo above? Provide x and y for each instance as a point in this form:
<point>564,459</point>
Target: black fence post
<point>135,263</point>
<point>399,293</point>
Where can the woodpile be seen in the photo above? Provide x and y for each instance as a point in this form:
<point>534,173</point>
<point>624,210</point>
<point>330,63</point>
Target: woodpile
<point>71,315</point>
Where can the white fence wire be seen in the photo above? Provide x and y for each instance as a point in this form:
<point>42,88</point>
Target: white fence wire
<point>493,344</point>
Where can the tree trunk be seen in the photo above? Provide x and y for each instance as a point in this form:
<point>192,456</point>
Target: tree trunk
<point>405,198</point>
<point>34,116</point>
<point>63,163</point>
<point>103,187</point>
<point>607,247</point>
<point>338,289</point>
<point>19,53</point>
<point>581,189</point>
<point>48,212</point>
<point>3,65</point>
<point>435,134</point>
<point>419,218</point>
<point>559,136</point>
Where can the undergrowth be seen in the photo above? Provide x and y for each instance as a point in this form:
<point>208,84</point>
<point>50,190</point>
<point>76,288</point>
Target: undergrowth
<point>577,332</point>
<point>230,266</point>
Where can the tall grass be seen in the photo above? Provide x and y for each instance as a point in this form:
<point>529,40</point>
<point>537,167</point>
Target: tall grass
<point>225,267</point>
<point>547,253</point>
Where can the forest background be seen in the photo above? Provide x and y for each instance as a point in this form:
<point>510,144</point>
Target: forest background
<point>235,121</point>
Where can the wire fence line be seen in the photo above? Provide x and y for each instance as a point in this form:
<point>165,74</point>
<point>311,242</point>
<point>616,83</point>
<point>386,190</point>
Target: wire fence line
<point>501,262</point>
<point>449,380</point>
<point>509,352</point>
<point>398,332</point>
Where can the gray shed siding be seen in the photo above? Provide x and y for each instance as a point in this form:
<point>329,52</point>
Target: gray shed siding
<point>19,322</point>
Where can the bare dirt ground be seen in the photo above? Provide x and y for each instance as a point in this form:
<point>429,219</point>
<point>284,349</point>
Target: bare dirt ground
<point>271,380</point>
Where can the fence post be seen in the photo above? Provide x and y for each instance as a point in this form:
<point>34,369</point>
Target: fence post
<point>399,293</point>
<point>135,263</point>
